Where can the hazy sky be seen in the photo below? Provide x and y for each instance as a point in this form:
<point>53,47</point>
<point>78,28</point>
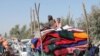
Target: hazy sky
<point>14,12</point>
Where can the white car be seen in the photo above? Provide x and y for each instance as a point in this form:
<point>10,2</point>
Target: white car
<point>25,48</point>
<point>24,41</point>
<point>23,51</point>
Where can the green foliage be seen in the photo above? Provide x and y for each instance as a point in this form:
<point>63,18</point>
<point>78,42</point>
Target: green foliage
<point>93,22</point>
<point>19,32</point>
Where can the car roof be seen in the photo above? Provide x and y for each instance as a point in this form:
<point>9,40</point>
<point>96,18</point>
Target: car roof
<point>25,40</point>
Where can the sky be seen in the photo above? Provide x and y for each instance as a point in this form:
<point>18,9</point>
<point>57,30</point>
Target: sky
<point>13,12</point>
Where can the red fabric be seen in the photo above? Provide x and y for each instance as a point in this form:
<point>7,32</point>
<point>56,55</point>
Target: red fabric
<point>49,41</point>
<point>61,52</point>
<point>66,41</point>
<point>53,34</point>
<point>45,49</point>
<point>56,35</point>
<point>44,36</point>
<point>38,43</point>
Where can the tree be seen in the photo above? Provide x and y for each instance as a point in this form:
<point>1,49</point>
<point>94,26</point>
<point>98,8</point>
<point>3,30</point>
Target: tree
<point>68,21</point>
<point>20,32</point>
<point>81,23</point>
<point>94,22</point>
<point>15,31</point>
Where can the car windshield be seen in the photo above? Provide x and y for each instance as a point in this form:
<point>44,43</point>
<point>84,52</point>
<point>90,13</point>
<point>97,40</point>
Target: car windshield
<point>24,42</point>
<point>24,50</point>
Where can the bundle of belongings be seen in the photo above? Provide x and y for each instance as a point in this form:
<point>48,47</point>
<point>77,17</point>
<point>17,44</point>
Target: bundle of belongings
<point>61,42</point>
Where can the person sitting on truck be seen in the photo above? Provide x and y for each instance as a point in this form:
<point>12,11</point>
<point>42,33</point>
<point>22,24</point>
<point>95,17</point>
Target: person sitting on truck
<point>52,22</point>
